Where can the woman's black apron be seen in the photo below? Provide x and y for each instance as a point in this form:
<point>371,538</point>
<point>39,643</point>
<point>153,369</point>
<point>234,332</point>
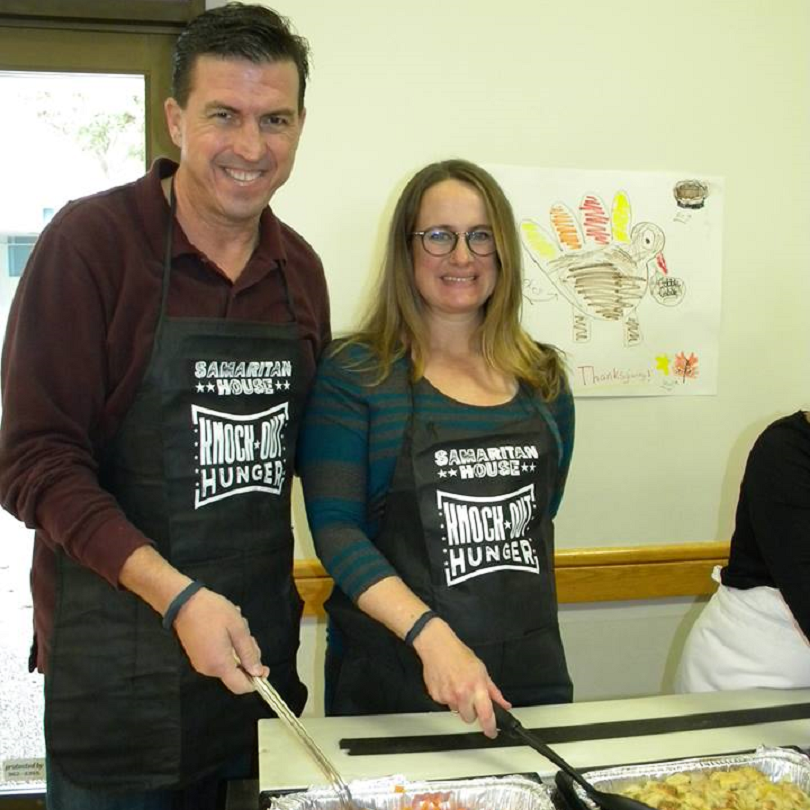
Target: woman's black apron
<point>202,465</point>
<point>467,528</point>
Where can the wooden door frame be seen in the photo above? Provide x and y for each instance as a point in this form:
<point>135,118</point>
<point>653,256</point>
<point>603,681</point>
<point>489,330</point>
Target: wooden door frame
<point>172,13</point>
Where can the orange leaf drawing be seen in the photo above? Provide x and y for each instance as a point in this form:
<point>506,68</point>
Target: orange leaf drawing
<point>684,366</point>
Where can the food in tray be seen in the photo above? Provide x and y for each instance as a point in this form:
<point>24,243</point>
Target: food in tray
<point>738,789</point>
<point>434,801</point>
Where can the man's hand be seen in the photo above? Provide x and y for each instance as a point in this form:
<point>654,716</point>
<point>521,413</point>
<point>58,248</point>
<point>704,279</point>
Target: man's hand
<point>211,629</point>
<point>456,677</point>
<point>215,636</point>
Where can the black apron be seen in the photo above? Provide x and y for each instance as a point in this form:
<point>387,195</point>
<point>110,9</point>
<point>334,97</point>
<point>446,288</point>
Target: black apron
<point>202,465</point>
<point>467,528</point>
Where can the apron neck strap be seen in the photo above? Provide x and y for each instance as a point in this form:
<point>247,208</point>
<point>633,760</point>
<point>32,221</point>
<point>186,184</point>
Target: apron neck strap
<point>167,252</point>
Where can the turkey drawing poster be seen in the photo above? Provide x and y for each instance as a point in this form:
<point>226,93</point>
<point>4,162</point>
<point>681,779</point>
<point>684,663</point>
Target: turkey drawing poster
<point>622,271</point>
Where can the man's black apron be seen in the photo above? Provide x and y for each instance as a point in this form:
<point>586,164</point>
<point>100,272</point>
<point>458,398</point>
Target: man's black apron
<point>467,527</point>
<point>202,465</point>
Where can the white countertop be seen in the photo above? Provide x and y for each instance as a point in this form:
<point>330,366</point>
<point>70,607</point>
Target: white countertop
<point>284,763</point>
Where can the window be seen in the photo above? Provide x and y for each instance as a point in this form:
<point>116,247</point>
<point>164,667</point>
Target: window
<point>18,249</point>
<point>64,47</point>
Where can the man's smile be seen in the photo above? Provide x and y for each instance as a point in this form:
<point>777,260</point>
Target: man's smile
<point>242,175</point>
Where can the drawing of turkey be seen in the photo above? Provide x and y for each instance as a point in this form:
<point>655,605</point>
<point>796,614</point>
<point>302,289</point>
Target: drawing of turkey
<point>601,264</point>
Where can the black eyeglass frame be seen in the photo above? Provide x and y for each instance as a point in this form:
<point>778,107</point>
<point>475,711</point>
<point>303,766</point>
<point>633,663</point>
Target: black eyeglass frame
<point>456,234</point>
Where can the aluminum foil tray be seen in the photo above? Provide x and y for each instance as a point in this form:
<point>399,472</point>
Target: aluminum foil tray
<point>776,763</point>
<point>396,793</point>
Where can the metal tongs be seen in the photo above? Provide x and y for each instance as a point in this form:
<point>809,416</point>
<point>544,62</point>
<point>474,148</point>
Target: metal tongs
<point>273,699</point>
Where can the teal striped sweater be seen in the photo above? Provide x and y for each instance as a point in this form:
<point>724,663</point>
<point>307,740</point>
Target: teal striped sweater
<point>349,444</point>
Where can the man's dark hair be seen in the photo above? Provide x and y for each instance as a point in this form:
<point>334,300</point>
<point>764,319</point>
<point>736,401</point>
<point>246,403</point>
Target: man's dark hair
<point>238,31</point>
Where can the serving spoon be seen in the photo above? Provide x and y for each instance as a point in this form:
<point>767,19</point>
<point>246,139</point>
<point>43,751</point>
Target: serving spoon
<point>510,725</point>
<point>272,698</point>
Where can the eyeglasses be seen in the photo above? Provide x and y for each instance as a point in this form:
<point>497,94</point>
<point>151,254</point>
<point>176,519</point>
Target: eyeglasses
<point>442,242</point>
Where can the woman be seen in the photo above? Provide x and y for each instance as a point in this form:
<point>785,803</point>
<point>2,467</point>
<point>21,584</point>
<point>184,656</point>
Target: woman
<point>754,631</point>
<point>435,452</point>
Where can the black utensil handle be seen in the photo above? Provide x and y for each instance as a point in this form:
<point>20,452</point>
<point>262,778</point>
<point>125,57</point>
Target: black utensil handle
<point>554,757</point>
<point>505,720</point>
<point>511,725</point>
<point>566,793</point>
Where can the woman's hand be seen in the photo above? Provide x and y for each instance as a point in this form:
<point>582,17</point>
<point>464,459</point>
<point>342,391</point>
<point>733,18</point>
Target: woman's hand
<point>456,677</point>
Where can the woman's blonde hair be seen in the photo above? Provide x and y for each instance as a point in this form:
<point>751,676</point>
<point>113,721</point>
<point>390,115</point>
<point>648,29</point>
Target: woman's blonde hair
<point>395,323</point>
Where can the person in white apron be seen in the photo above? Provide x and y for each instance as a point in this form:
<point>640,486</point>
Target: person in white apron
<point>434,454</point>
<point>753,633</point>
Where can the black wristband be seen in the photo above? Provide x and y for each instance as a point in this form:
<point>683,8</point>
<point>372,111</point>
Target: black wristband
<point>178,602</point>
<point>418,626</point>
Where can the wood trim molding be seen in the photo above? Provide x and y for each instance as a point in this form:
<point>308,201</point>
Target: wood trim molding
<point>71,12</point>
<point>608,574</point>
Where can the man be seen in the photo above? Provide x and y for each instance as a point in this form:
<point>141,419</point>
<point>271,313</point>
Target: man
<point>160,345</point>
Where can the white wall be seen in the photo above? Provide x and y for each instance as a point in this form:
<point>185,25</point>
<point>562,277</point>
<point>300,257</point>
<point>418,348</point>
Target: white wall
<point>715,88</point>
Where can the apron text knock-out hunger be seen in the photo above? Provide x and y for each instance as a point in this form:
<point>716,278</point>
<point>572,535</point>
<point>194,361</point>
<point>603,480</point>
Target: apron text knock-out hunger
<point>467,527</point>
